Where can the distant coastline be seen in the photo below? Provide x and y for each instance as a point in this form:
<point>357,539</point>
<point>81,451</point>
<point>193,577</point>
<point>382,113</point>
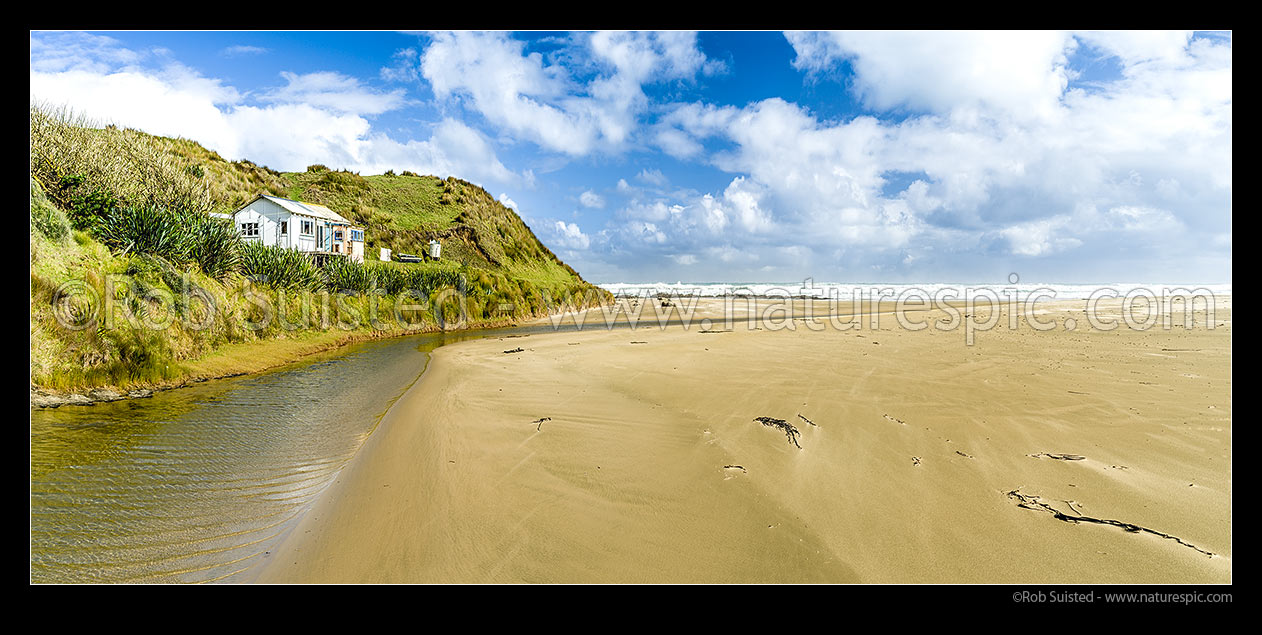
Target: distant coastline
<point>847,290</point>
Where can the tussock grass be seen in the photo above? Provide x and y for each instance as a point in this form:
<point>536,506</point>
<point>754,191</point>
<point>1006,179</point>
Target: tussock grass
<point>46,218</point>
<point>287,269</point>
<point>122,216</point>
<point>72,158</point>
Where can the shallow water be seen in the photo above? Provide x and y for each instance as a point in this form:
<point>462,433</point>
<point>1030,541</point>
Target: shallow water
<point>199,484</point>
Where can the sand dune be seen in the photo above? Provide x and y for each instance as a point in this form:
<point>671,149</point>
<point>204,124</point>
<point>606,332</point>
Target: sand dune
<point>921,459</point>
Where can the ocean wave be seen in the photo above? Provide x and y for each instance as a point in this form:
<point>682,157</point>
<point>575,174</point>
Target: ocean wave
<point>850,291</point>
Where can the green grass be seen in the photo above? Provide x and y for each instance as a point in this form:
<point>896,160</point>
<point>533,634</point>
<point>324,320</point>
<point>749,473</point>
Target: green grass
<point>103,202</point>
<point>402,203</point>
<point>84,168</point>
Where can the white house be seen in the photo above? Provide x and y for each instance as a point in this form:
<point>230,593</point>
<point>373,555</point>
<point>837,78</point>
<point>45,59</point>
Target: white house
<point>308,227</point>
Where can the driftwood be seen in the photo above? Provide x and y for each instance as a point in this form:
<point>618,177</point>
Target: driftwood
<point>789,430</point>
<point>539,423</point>
<point>1029,501</point>
<point>1059,457</point>
<point>515,350</point>
<point>807,420</point>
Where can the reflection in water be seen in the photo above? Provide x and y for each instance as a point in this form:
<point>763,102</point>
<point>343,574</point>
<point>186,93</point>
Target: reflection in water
<point>198,484</point>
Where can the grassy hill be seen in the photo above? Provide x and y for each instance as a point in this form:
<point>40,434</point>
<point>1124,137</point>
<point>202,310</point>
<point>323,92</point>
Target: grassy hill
<point>402,212</point>
<point>109,202</point>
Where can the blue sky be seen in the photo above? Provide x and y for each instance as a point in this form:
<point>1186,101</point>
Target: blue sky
<point>734,157</point>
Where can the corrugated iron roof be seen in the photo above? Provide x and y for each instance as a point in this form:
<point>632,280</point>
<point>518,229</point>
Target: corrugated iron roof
<point>307,209</point>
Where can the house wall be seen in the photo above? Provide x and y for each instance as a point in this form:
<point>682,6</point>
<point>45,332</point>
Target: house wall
<point>257,212</point>
<point>305,242</point>
<point>270,217</point>
<point>357,250</point>
<point>344,244</point>
<point>339,237</point>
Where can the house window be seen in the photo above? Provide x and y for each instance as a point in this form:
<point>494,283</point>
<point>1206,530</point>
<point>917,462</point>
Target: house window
<point>250,229</point>
<point>308,228</point>
<point>284,227</point>
<point>337,235</point>
<point>357,235</point>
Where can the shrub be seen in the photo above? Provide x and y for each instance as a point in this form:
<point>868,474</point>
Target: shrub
<point>341,274</point>
<point>215,246</point>
<point>45,217</point>
<point>279,267</point>
<point>343,181</point>
<point>145,230</point>
<point>84,166</point>
<point>397,279</point>
<point>88,210</point>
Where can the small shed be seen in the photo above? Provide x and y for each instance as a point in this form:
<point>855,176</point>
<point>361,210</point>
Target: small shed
<point>308,227</point>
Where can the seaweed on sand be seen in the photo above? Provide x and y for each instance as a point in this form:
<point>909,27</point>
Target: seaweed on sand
<point>789,430</point>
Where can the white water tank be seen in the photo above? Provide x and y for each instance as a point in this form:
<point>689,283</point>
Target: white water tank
<point>435,249</point>
<point>385,254</point>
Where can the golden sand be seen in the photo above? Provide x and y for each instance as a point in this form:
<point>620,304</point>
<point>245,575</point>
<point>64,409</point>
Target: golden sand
<point>928,460</point>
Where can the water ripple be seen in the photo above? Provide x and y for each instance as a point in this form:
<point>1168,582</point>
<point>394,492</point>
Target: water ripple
<point>197,485</point>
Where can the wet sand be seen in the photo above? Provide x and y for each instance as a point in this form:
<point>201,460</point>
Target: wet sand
<point>921,460</point>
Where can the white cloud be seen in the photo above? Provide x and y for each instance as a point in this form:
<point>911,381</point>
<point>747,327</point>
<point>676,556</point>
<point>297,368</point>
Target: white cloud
<point>569,235</point>
<point>653,177</point>
<point>242,49</point>
<point>316,118</point>
<point>1137,47</point>
<point>1021,73</point>
<point>509,88</point>
<point>470,152</point>
<point>997,144</point>
<point>545,103</point>
<point>679,131</point>
<point>54,52</point>
<point>643,232</point>
<point>676,143</point>
<point>591,199</point>
<point>640,56</point>
<point>730,254</point>
<point>711,214</point>
<point>969,144</point>
<point>744,198</point>
<point>1133,218</point>
<point>507,202</point>
<point>1040,238</point>
<point>403,67</point>
<point>143,101</point>
<point>336,92</point>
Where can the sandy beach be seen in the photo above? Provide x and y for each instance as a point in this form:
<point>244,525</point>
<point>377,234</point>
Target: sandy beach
<point>634,455</point>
